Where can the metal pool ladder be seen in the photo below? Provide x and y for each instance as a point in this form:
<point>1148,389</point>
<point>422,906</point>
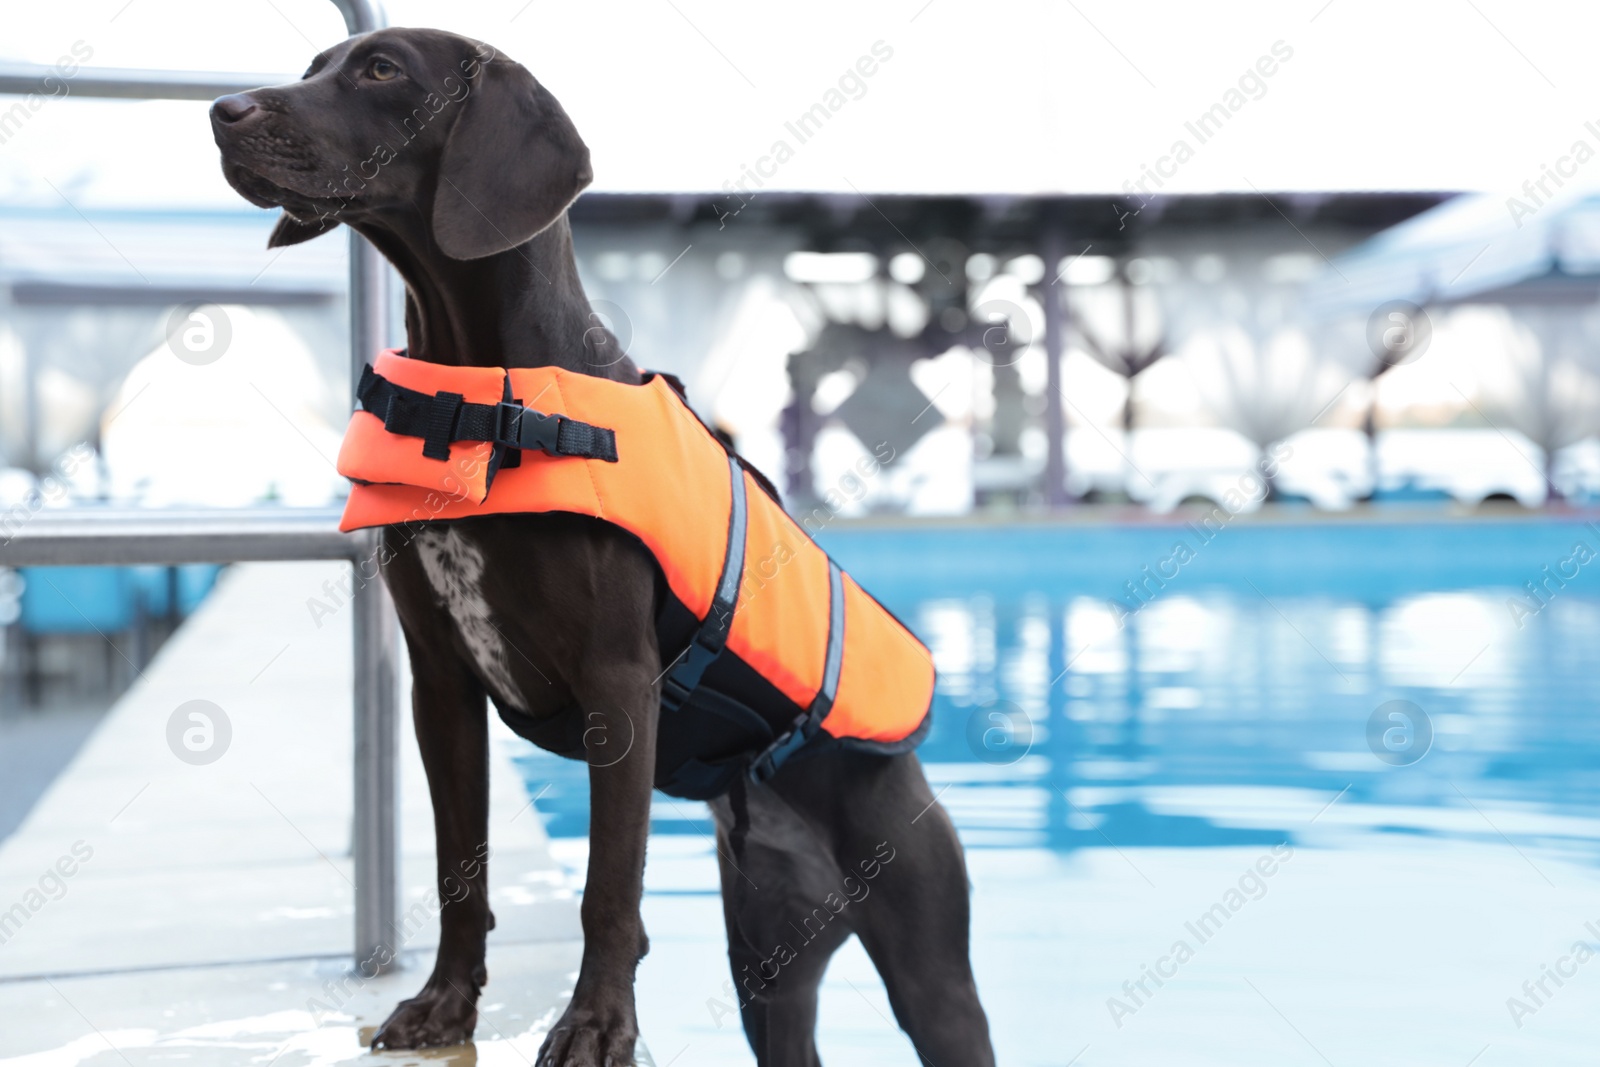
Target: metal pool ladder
<point>129,536</point>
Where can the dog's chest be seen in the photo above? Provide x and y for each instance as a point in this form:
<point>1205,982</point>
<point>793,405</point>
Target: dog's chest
<point>455,570</point>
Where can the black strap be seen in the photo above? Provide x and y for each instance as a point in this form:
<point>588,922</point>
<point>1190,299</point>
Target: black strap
<point>683,677</point>
<point>740,831</point>
<point>445,417</point>
<point>806,725</point>
<point>438,419</point>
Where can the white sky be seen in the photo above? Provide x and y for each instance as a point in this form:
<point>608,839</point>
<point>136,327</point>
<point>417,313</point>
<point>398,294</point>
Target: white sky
<point>1000,96</point>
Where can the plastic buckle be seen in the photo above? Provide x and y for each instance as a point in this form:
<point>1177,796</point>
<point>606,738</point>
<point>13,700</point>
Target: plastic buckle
<point>518,427</point>
<point>683,678</point>
<point>674,693</point>
<point>538,430</point>
<point>777,754</point>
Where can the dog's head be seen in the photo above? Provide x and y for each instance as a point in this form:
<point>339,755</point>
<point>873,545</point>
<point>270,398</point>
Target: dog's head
<point>405,121</point>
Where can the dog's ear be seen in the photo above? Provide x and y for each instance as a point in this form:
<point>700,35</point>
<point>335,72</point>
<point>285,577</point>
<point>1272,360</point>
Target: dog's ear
<point>291,231</point>
<point>511,164</point>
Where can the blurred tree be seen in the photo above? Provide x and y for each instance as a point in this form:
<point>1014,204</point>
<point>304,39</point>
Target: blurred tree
<point>1544,380</point>
<point>1119,325</point>
<point>1251,354</point>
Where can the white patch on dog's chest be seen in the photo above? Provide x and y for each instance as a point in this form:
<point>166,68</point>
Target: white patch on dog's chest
<point>454,567</point>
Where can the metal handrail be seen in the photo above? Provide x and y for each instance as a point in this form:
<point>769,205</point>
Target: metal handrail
<point>375,835</point>
<point>122,536</point>
<point>78,537</point>
<point>113,83</point>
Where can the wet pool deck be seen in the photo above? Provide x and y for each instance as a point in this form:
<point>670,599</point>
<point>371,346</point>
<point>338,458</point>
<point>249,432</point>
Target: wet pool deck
<point>208,913</point>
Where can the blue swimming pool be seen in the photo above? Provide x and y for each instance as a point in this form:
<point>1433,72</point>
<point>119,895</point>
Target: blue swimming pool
<point>1125,708</point>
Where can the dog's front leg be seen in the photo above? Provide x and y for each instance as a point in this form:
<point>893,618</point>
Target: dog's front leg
<point>448,708</point>
<point>599,1027</point>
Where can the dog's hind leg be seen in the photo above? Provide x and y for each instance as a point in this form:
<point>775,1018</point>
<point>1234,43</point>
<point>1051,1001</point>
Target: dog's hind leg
<point>903,867</point>
<point>783,904</point>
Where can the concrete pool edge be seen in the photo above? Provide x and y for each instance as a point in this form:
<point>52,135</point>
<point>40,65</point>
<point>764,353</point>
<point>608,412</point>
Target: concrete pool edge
<point>1281,514</point>
<point>205,898</point>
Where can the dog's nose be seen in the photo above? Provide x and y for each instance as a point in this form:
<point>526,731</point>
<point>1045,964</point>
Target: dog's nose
<point>232,108</point>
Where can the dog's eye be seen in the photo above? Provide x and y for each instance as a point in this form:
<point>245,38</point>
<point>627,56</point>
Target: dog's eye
<point>382,70</point>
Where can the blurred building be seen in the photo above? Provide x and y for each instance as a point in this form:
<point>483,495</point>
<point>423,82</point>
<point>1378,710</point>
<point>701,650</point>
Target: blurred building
<point>873,354</point>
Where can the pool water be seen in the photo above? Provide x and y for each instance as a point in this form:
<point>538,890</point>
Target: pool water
<point>1372,743</point>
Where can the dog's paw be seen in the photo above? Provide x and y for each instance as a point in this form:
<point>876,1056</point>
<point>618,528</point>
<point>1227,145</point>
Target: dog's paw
<point>591,1037</point>
<point>442,1014</point>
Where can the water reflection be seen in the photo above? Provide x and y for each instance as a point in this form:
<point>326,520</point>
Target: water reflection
<point>1228,715</point>
<point>1213,719</point>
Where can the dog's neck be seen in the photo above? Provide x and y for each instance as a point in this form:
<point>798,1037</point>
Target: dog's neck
<point>524,307</point>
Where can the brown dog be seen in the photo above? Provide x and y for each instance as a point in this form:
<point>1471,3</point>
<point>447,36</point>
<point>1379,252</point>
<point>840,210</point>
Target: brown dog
<point>459,167</point>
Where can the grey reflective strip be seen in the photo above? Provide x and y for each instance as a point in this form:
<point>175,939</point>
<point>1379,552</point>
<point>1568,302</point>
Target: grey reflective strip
<point>708,641</point>
<point>733,563</point>
<point>830,671</point>
<point>775,755</point>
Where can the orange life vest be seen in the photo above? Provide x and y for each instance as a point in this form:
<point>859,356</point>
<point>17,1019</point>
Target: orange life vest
<point>769,648</point>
